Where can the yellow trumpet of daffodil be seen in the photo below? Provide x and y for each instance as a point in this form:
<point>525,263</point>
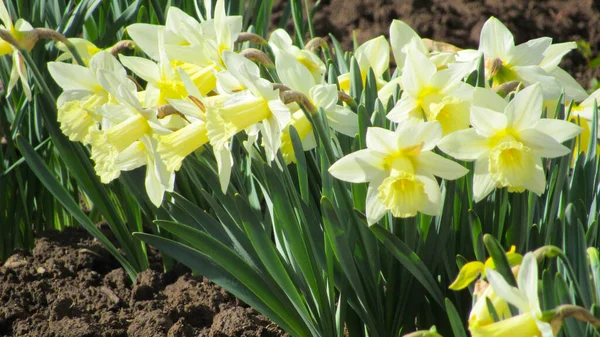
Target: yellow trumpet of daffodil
<point>400,168</point>
<point>508,140</point>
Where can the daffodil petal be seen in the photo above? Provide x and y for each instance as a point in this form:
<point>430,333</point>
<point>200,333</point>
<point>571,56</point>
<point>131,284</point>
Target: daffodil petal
<point>433,206</point>
<point>526,108</point>
<point>483,184</point>
<point>554,54</point>
<point>144,68</point>
<point>378,140</point>
<point>72,76</point>
<point>537,183</point>
<point>561,131</point>
<point>402,37</point>
<point>543,145</point>
<point>359,167</point>
<point>486,98</point>
<point>417,72</point>
<point>509,293</point>
<point>464,144</point>
<point>495,39</point>
<point>426,133</point>
<point>432,163</point>
<point>487,122</point>
<point>467,274</point>
<point>375,209</point>
<point>530,53</point>
<point>528,279</point>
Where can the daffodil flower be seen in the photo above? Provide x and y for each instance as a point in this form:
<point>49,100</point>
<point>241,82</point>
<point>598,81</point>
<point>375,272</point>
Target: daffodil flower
<point>400,168</point>
<point>295,75</point>
<point>125,128</point>
<point>535,61</point>
<point>82,94</point>
<point>508,141</point>
<point>260,103</point>
<point>374,54</point>
<point>529,322</point>
<point>281,41</point>
<point>22,32</point>
<point>431,95</point>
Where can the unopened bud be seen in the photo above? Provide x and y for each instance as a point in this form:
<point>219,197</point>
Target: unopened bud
<point>572,311</point>
<point>492,66</point>
<point>316,43</point>
<point>440,46</point>
<point>256,55</point>
<point>165,110</point>
<point>118,47</point>
<point>506,88</point>
<point>297,97</point>
<point>251,37</point>
<point>548,251</point>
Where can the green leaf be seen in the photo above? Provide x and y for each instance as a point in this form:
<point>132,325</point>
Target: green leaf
<point>60,193</point>
<point>410,261</point>
<point>498,255</point>
<point>455,322</point>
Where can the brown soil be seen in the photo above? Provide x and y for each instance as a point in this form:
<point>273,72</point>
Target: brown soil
<point>70,286</point>
<point>459,22</point>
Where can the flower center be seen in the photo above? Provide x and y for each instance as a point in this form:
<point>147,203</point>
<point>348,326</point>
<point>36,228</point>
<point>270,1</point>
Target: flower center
<point>511,165</point>
<point>403,194</point>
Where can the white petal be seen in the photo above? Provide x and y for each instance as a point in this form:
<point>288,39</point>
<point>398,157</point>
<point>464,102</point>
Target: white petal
<point>403,109</point>
<point>509,293</point>
<point>271,133</point>
<point>433,206</point>
<point>530,53</point>
<point>243,69</point>
<point>382,140</point>
<point>145,36</point>
<point>528,278</point>
<point>551,87</point>
<point>417,72</point>
<point>343,120</point>
<point>224,164</point>
<point>374,208</point>
<point>324,96</point>
<point>486,98</point>
<point>72,76</point>
<point>557,129</point>
<point>543,144</point>
<point>402,36</point>
<point>495,39</point>
<point>105,60</point>
<point>293,73</point>
<point>358,167</point>
<point>483,184</point>
<point>573,90</point>
<point>426,133</point>
<point>144,68</point>
<point>526,108</point>
<point>537,183</point>
<point>464,144</point>
<point>554,54</point>
<point>374,54</point>
<point>487,122</point>
<point>432,163</point>
<point>280,112</point>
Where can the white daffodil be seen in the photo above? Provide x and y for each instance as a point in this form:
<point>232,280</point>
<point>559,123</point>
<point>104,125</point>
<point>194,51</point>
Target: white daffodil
<point>525,298</point>
<point>535,61</point>
<point>260,103</point>
<point>400,168</point>
<point>281,41</point>
<point>125,128</point>
<point>82,94</point>
<point>508,140</point>
<point>431,95</point>
<point>374,54</point>
<point>295,75</point>
<point>23,33</point>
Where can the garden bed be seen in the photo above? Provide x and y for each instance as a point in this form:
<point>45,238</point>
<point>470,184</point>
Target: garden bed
<point>70,286</point>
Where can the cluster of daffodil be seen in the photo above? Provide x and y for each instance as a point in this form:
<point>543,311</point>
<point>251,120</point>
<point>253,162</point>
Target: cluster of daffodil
<point>200,89</point>
<point>491,314</point>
